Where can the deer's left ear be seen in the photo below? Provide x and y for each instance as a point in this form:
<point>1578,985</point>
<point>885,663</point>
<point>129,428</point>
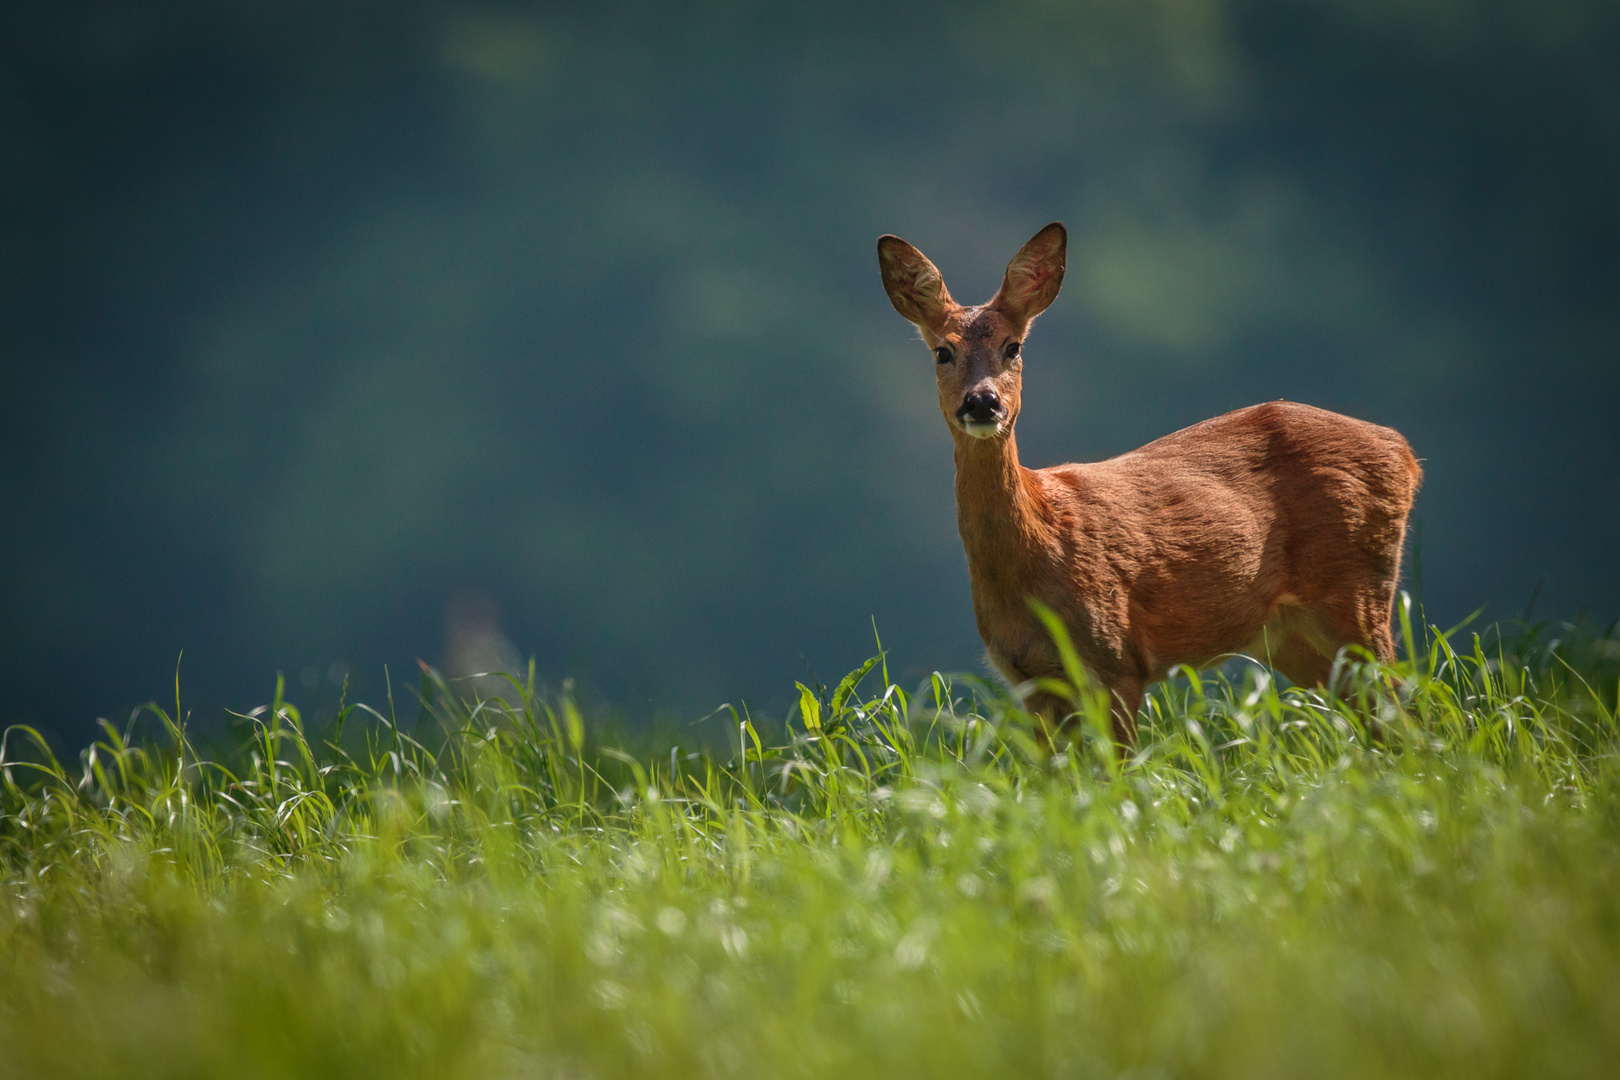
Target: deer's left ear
<point>1034,276</point>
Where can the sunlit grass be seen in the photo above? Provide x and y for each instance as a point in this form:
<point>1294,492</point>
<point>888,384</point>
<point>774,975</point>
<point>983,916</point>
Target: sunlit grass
<point>1417,874</point>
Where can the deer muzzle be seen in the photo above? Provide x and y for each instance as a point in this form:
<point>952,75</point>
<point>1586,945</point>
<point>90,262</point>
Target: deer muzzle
<point>982,413</point>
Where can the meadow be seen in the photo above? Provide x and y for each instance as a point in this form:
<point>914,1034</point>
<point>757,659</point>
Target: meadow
<point>1413,873</point>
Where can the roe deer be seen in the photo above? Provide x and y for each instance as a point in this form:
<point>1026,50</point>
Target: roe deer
<point>1274,530</point>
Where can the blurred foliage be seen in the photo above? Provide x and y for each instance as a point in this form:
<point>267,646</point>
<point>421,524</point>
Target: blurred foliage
<point>317,315</point>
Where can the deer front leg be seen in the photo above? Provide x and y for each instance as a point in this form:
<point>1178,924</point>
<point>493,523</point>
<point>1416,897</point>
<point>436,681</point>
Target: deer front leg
<point>1127,702</point>
<point>1055,715</point>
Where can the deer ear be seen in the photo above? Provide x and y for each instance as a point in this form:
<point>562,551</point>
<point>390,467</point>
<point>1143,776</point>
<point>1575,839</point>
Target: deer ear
<point>1034,276</point>
<point>913,283</point>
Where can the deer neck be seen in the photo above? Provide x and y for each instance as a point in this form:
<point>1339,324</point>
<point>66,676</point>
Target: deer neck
<point>1000,509</point>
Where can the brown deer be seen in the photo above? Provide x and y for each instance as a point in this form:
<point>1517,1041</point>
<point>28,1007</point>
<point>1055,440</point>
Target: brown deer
<point>1275,530</point>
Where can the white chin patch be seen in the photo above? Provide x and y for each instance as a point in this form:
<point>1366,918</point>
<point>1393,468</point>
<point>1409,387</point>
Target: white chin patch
<point>981,431</point>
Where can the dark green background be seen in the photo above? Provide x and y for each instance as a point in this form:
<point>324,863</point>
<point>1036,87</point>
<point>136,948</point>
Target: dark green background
<point>317,315</point>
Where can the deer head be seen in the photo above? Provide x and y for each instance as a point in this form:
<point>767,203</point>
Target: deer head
<point>977,350</point>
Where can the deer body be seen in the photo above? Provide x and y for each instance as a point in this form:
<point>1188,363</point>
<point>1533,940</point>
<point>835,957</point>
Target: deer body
<point>1274,530</point>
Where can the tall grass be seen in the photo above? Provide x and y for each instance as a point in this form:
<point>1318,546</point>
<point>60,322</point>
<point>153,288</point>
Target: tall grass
<point>1415,873</point>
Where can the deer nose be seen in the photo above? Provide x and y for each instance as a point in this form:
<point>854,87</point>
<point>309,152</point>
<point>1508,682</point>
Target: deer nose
<point>980,407</point>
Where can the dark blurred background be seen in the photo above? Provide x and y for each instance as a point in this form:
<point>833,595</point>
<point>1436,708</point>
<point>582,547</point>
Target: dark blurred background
<point>343,334</point>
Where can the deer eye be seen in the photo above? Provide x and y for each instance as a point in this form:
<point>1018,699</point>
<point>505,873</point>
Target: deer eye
<point>943,355</point>
<point>1012,349</point>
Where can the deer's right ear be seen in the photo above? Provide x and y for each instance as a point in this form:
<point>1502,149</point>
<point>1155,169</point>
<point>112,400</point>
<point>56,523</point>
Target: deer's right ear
<point>913,283</point>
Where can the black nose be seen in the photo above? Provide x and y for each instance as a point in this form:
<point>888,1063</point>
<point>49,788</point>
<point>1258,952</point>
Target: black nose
<point>980,407</point>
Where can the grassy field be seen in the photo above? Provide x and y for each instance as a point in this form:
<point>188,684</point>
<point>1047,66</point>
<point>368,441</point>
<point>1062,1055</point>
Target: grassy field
<point>1416,875</point>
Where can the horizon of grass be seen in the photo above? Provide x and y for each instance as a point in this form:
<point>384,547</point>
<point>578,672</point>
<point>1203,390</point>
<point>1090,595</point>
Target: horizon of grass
<point>1415,873</point>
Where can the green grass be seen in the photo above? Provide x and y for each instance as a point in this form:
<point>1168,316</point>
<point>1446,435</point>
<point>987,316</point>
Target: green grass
<point>1418,875</point>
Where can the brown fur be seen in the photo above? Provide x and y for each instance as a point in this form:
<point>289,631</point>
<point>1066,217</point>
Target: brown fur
<point>1274,530</point>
